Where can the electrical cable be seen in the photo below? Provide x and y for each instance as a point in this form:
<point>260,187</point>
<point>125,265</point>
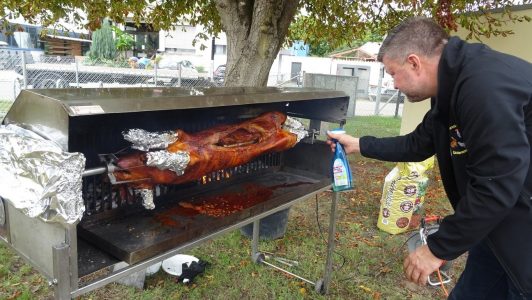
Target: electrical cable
<point>344,259</point>
<point>394,257</point>
<point>442,284</point>
<point>423,237</point>
<point>342,256</point>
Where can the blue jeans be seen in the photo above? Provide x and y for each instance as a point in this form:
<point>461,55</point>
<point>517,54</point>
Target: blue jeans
<point>484,278</point>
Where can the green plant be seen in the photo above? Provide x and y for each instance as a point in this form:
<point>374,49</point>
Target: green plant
<point>263,26</point>
<point>200,69</point>
<point>103,45</point>
<point>90,60</point>
<point>124,41</point>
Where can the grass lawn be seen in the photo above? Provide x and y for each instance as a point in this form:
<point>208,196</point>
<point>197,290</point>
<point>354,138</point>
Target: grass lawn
<point>5,105</point>
<point>367,264</point>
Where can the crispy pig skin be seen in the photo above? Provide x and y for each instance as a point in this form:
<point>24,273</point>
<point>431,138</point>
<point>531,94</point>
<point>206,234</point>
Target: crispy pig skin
<point>219,147</point>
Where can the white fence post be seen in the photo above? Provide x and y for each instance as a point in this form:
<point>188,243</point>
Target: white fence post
<point>155,74</point>
<point>77,74</point>
<point>24,72</point>
<point>179,76</point>
<point>379,86</point>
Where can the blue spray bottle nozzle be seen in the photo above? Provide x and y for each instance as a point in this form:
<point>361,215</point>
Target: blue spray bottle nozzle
<point>337,131</point>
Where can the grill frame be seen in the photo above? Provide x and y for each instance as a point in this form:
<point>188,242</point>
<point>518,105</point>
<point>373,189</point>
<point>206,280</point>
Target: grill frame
<point>125,237</point>
<point>52,114</point>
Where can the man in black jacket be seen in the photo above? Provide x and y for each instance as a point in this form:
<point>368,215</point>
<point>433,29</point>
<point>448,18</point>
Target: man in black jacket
<point>480,128</point>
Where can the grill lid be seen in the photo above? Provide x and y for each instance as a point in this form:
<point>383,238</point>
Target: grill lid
<point>77,102</point>
<point>91,120</point>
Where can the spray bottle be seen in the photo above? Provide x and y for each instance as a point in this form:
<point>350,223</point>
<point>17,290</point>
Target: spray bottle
<point>341,173</point>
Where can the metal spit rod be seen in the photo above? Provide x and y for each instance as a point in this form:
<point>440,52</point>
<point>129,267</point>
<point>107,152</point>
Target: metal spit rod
<point>287,272</point>
<point>321,285</point>
<point>97,170</point>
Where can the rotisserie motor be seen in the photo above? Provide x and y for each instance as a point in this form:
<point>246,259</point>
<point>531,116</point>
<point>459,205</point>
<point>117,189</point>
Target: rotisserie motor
<point>192,156</point>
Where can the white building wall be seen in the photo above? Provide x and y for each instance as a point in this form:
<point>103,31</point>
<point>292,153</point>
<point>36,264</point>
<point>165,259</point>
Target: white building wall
<point>181,39</point>
<point>281,68</point>
<point>179,42</point>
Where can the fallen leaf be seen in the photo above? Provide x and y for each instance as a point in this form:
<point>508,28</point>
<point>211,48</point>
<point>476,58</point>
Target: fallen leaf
<point>365,289</point>
<point>244,262</point>
<point>15,295</point>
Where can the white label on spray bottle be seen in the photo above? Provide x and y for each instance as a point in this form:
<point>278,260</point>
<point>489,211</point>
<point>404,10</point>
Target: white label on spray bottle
<point>339,173</point>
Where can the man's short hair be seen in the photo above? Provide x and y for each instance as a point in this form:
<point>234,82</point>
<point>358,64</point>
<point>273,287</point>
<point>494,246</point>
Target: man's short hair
<point>417,35</point>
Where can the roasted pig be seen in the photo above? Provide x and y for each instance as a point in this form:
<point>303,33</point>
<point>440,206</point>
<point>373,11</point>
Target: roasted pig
<point>192,156</point>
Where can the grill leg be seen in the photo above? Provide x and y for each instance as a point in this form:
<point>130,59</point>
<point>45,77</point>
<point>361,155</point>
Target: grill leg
<point>255,242</point>
<point>330,246</point>
<point>61,265</point>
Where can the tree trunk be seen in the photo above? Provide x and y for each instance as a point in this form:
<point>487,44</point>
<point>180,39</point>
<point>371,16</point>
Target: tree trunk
<point>255,32</point>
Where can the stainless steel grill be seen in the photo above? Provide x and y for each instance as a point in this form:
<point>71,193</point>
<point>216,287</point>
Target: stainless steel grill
<point>115,227</point>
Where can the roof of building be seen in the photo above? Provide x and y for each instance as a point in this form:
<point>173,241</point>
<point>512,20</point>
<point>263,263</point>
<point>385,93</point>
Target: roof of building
<point>368,52</point>
<point>62,37</point>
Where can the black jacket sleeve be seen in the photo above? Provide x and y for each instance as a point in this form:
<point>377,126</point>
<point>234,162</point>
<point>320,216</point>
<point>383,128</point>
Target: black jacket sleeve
<point>415,146</point>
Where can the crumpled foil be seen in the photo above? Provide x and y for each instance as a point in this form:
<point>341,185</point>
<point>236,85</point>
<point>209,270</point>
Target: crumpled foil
<point>144,140</point>
<point>39,178</point>
<point>48,133</point>
<point>147,198</point>
<point>164,160</point>
<point>294,126</point>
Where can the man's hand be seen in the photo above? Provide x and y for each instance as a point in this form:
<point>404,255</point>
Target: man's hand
<point>419,264</point>
<point>350,143</point>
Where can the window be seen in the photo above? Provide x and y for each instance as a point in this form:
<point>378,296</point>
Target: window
<point>220,49</point>
<point>22,36</point>
<point>180,50</point>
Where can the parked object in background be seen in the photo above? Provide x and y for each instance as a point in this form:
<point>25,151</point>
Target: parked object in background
<point>172,62</point>
<point>133,62</point>
<point>388,94</point>
<point>219,74</point>
<point>144,62</point>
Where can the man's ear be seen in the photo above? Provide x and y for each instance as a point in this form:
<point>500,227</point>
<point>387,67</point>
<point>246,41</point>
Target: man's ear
<point>414,62</point>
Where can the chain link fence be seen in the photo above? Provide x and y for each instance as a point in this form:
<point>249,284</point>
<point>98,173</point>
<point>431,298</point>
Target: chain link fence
<point>19,70</point>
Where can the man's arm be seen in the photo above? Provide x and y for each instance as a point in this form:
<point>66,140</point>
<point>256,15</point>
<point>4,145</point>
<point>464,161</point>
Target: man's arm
<point>415,146</point>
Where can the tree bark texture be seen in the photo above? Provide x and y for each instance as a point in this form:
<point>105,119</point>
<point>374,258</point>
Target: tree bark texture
<point>256,30</point>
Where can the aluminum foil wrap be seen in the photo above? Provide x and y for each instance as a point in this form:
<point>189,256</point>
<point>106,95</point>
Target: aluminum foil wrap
<point>48,133</point>
<point>144,140</point>
<point>147,198</point>
<point>39,178</point>
<point>294,126</point>
<point>164,160</point>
